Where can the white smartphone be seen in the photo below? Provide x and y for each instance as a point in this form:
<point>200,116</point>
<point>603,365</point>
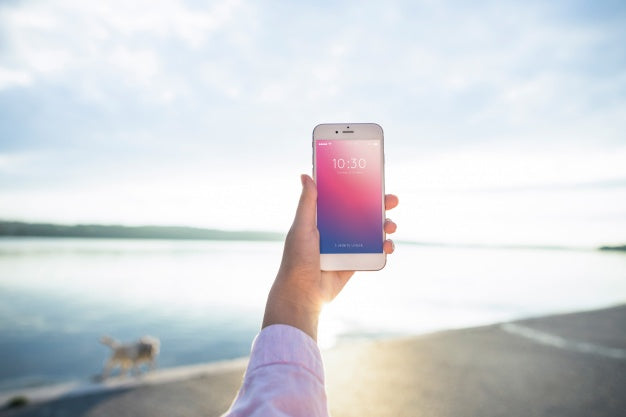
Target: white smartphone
<point>348,167</point>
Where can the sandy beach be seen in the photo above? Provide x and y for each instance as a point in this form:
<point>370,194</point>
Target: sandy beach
<point>563,365</point>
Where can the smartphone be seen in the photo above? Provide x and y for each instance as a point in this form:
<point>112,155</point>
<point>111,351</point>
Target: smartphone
<point>348,167</point>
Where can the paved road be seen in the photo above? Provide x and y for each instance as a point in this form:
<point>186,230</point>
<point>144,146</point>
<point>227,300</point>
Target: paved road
<point>489,371</point>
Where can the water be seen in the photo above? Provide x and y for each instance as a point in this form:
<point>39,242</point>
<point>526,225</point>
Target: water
<point>204,300</point>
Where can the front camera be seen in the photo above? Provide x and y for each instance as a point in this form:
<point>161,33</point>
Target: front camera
<point>336,131</point>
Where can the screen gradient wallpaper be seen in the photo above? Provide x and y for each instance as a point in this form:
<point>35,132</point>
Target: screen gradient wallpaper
<point>350,188</point>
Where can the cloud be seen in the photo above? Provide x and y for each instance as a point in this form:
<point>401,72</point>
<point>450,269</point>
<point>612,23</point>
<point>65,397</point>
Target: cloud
<point>9,78</point>
<point>504,66</point>
<point>16,163</point>
<point>82,45</point>
<point>122,91</point>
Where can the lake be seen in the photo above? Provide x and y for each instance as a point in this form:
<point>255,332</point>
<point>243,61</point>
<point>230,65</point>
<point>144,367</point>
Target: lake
<point>204,299</point>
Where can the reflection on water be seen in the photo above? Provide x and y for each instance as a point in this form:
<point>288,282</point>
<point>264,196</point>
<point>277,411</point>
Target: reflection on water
<point>204,300</point>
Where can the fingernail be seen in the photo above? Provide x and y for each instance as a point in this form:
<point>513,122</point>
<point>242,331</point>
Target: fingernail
<point>302,179</point>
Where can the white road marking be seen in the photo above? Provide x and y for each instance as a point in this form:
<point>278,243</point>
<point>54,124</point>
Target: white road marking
<point>562,343</point>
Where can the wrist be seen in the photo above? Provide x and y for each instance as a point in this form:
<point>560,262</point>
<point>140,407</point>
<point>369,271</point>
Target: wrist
<point>280,310</point>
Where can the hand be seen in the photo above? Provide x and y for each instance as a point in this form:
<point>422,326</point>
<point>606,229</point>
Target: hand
<point>301,288</point>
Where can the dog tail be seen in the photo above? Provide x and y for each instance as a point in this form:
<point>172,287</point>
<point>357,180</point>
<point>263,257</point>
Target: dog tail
<point>109,341</point>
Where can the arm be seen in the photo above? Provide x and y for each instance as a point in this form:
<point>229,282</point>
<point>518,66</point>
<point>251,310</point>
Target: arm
<point>285,374</point>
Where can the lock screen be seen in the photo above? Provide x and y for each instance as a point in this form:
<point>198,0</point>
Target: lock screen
<point>349,192</point>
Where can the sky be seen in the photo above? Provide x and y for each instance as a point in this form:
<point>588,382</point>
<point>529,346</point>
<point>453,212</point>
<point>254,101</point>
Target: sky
<point>505,122</point>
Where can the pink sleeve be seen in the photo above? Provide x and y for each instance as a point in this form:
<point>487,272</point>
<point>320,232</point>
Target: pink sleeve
<point>285,376</point>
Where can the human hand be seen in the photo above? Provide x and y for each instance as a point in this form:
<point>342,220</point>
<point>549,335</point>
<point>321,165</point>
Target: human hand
<point>301,288</point>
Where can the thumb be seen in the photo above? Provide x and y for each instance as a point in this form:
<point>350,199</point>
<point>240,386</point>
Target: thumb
<point>305,214</point>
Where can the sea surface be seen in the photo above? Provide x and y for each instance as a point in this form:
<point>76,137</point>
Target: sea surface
<point>204,299</point>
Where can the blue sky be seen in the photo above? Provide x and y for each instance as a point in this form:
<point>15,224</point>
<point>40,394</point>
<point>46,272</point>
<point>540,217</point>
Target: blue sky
<point>504,121</point>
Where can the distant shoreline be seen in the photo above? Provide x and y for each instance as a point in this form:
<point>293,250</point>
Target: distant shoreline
<point>93,231</point>
<point>621,248</point>
<point>98,231</point>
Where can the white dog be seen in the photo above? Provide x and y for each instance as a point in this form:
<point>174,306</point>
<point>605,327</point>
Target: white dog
<point>130,355</point>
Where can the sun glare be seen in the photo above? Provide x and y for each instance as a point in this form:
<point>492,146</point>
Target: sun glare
<point>330,327</point>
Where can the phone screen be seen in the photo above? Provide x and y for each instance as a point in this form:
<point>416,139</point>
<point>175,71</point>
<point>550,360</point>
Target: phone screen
<point>349,193</point>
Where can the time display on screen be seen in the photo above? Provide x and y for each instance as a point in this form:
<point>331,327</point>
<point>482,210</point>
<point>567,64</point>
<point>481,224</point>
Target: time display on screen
<point>349,163</point>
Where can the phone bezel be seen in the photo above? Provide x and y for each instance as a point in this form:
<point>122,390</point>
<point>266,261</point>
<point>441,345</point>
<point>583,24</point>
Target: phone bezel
<point>353,131</point>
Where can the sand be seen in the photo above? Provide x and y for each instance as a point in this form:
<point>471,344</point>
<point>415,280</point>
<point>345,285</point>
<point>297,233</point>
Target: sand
<point>566,365</point>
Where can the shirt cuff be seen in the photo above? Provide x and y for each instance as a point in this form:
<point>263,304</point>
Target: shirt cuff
<point>283,344</point>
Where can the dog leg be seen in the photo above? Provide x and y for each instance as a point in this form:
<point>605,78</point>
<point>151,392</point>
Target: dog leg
<point>107,369</point>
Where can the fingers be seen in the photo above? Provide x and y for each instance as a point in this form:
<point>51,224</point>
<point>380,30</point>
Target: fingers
<point>305,214</point>
<point>390,226</point>
<point>388,246</point>
<point>391,201</point>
